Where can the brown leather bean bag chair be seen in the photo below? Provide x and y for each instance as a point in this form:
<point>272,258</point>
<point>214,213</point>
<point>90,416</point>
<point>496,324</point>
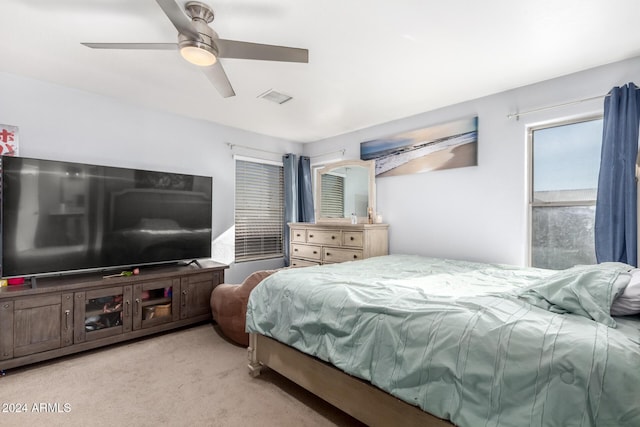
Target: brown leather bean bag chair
<point>229,306</point>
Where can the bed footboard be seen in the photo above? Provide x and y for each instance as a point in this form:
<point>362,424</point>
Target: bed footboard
<point>357,398</point>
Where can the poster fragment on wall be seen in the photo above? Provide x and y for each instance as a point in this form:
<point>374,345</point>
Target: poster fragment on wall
<point>8,140</point>
<point>444,146</point>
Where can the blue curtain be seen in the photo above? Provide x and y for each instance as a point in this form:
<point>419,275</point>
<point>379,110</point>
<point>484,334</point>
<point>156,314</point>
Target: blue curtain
<point>305,191</point>
<point>290,199</point>
<point>616,206</point>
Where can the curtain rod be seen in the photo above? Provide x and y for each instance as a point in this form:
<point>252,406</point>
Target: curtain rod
<point>252,148</point>
<point>341,151</point>
<point>231,145</point>
<point>517,115</point>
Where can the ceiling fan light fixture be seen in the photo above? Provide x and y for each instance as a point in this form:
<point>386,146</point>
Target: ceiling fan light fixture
<point>200,45</point>
<point>198,56</point>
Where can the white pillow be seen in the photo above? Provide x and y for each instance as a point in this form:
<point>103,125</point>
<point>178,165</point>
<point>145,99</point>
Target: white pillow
<point>628,302</point>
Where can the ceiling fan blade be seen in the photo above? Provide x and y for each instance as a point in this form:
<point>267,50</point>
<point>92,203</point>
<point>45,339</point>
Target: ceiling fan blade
<point>179,19</point>
<point>264,52</point>
<point>154,46</point>
<point>216,75</point>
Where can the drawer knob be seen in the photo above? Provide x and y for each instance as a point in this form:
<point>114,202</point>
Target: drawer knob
<point>298,235</point>
<point>352,238</point>
<point>328,254</point>
<point>295,250</point>
<point>315,252</point>
<point>355,256</point>
<point>333,237</point>
<point>310,235</point>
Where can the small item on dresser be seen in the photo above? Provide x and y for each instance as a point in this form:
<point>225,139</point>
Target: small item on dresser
<point>370,215</point>
<point>354,219</point>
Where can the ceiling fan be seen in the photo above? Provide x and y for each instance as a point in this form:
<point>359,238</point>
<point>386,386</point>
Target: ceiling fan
<point>200,45</point>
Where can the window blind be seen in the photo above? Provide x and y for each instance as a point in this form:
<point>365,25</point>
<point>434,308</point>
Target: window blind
<point>332,201</point>
<point>259,211</point>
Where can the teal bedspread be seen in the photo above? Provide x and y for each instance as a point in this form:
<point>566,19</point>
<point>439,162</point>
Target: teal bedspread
<point>477,344</point>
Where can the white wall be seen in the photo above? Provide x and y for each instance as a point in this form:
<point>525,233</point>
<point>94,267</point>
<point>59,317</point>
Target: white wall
<point>66,124</point>
<point>478,213</point>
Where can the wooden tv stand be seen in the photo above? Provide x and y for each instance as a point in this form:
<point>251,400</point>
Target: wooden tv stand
<point>69,314</point>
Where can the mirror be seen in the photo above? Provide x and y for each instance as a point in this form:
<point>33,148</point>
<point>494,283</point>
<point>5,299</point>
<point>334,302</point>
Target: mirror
<point>345,188</point>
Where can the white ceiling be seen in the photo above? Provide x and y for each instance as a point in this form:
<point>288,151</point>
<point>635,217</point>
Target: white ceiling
<point>370,61</point>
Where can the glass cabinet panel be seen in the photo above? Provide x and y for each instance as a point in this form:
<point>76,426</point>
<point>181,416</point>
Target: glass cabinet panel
<point>154,302</point>
<point>104,312</point>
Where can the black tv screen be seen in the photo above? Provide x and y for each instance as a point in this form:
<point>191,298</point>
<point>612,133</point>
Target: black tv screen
<point>61,217</point>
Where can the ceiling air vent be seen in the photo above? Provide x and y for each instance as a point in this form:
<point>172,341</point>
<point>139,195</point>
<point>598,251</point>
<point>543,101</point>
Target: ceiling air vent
<point>277,97</point>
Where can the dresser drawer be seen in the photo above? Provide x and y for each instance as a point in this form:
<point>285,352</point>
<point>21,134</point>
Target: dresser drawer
<point>298,235</point>
<point>352,239</point>
<point>340,255</point>
<point>324,237</point>
<point>302,263</point>
<point>305,251</point>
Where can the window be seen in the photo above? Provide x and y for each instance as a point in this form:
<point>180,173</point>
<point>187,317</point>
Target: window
<point>565,165</point>
<point>259,210</point>
<point>332,196</point>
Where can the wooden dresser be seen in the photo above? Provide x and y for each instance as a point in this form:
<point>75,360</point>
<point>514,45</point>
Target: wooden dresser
<point>313,244</point>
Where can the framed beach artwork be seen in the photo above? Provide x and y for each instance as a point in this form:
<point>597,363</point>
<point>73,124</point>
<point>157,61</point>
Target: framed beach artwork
<point>444,146</point>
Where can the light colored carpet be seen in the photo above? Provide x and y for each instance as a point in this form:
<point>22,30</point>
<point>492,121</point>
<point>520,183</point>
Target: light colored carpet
<point>191,377</point>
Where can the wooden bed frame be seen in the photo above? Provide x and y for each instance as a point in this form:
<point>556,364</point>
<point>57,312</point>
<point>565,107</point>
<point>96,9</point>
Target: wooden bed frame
<point>356,397</point>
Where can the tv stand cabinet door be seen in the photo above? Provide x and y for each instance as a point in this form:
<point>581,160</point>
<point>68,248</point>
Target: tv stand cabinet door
<point>195,293</point>
<point>102,313</point>
<point>155,302</point>
<point>42,323</point>
<point>6,330</point>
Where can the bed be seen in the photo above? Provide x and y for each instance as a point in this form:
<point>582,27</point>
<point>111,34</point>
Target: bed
<point>410,340</point>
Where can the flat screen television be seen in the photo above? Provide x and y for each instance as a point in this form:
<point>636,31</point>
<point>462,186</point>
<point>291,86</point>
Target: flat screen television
<point>62,217</point>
